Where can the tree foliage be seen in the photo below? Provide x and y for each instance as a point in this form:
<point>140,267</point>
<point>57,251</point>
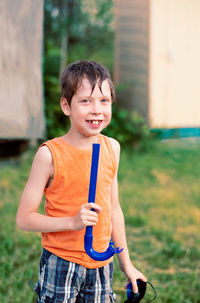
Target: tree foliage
<point>73,30</point>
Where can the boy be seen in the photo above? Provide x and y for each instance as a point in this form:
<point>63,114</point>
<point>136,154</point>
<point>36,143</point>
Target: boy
<point>61,169</point>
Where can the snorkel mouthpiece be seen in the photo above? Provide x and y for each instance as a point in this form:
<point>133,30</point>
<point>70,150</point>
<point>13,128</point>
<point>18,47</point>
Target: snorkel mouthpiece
<point>88,239</point>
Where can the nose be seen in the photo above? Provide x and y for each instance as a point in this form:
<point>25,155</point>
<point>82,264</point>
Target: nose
<point>96,108</point>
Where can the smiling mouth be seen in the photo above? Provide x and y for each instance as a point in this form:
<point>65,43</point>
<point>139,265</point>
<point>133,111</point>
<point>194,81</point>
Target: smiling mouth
<point>94,122</point>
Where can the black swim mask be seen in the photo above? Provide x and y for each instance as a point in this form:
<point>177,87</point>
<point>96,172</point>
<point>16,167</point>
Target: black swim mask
<point>137,297</point>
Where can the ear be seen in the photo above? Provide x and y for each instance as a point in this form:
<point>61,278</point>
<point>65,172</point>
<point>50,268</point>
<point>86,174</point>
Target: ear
<point>65,106</point>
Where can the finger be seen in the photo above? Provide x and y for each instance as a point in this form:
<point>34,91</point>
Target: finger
<point>95,206</point>
<point>143,278</point>
<point>90,223</point>
<point>91,216</point>
<point>88,216</point>
<point>134,286</point>
<point>125,286</point>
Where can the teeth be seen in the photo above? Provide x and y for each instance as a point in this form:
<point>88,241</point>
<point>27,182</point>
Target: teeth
<point>95,122</point>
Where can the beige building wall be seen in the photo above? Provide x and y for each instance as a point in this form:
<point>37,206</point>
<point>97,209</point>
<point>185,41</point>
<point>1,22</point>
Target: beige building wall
<point>21,94</point>
<point>174,63</point>
<point>157,60</point>
<point>131,53</point>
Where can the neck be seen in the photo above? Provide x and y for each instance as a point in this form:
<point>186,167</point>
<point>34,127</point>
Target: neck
<point>80,141</point>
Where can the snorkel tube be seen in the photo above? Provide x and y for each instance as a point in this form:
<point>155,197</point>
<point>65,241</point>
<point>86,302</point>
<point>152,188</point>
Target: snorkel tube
<point>88,239</point>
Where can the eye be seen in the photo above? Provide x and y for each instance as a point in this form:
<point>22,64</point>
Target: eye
<point>85,101</point>
<point>105,101</point>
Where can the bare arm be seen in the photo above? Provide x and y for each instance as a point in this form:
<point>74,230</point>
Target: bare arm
<point>118,231</point>
<point>28,217</point>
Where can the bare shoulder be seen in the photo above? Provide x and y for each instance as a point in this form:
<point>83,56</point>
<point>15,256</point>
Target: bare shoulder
<point>43,161</point>
<point>116,147</point>
<point>115,144</point>
<point>44,155</point>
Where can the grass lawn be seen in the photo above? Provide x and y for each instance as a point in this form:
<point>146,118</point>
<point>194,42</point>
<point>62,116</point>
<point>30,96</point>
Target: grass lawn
<point>160,197</point>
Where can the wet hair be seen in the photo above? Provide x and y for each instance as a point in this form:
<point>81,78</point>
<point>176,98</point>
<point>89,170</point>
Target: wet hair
<point>73,75</point>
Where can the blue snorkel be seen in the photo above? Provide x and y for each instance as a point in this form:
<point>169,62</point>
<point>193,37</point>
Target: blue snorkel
<point>88,239</point>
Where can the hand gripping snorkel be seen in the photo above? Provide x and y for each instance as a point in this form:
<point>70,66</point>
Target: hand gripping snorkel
<point>137,297</point>
<point>88,239</point>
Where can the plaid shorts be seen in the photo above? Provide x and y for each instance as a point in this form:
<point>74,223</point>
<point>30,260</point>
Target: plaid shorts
<point>68,282</point>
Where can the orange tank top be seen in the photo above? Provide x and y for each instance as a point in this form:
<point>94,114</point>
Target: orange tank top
<point>69,190</point>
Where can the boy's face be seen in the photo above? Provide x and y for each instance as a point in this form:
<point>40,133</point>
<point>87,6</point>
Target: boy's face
<point>89,113</point>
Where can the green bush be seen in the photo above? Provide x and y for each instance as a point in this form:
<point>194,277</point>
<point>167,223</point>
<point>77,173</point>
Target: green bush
<point>129,129</point>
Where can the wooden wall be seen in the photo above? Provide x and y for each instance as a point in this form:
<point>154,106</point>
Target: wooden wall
<point>131,53</point>
<point>21,93</point>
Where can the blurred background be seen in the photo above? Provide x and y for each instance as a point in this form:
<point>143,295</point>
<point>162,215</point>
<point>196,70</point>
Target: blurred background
<point>151,48</point>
